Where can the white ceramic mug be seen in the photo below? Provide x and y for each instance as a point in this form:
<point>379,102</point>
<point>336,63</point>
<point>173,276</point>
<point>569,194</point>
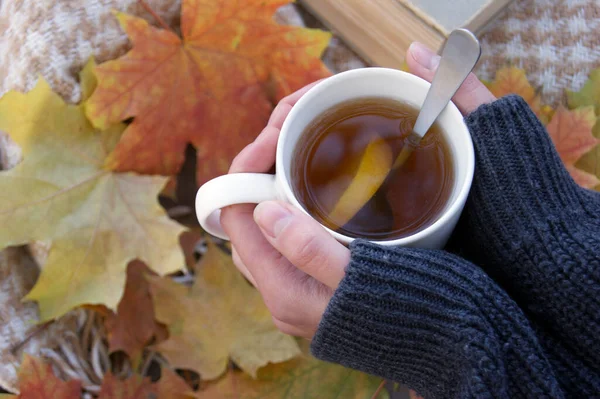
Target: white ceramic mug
<point>368,82</point>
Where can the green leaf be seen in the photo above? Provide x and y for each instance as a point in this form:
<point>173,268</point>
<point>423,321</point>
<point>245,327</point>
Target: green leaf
<point>589,93</point>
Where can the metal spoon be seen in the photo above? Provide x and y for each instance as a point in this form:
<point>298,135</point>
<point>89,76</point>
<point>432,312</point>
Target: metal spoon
<point>459,56</point>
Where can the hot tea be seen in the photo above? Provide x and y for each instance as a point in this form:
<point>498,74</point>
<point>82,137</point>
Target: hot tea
<point>333,152</point>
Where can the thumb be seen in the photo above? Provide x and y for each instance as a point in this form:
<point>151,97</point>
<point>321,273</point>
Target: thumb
<point>303,241</point>
<point>423,62</point>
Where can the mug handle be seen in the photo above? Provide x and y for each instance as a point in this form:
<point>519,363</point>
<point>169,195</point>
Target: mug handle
<point>236,188</point>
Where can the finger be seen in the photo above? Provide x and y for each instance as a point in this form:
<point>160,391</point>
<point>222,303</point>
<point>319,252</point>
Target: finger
<point>289,293</point>
<point>279,114</point>
<point>472,94</point>
<point>285,106</point>
<point>262,261</point>
<point>292,330</point>
<point>259,156</point>
<point>294,97</point>
<point>304,242</point>
<point>237,261</point>
<point>423,62</point>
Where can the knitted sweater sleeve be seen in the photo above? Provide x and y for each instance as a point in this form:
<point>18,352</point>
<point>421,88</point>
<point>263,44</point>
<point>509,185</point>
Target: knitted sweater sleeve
<point>516,325</point>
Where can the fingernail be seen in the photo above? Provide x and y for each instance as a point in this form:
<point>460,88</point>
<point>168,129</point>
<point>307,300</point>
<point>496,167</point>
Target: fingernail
<point>424,56</point>
<point>272,217</point>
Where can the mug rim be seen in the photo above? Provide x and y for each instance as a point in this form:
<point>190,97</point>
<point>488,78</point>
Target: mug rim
<point>446,217</point>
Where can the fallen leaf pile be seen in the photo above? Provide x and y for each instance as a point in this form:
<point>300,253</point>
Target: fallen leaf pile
<point>37,381</point>
<point>90,182</point>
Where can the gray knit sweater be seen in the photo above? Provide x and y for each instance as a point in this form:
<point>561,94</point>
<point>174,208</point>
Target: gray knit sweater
<point>511,309</point>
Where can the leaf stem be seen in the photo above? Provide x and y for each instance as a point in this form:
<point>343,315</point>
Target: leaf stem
<point>379,389</point>
<point>157,17</point>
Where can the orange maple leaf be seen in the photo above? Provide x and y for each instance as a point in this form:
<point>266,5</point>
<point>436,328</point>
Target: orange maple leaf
<point>37,381</point>
<point>571,132</point>
<point>210,88</point>
<point>170,386</point>
<point>133,326</point>
<point>512,80</point>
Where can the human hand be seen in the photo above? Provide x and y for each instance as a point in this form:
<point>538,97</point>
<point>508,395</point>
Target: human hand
<point>294,263</point>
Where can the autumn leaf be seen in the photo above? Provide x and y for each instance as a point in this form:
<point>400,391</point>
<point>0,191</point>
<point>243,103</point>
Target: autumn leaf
<point>220,317</point>
<point>37,381</point>
<point>170,386</point>
<point>512,80</point>
<point>87,80</point>
<point>304,377</point>
<point>589,166</point>
<point>97,220</point>
<point>589,93</point>
<point>209,88</point>
<point>571,132</point>
<point>133,326</point>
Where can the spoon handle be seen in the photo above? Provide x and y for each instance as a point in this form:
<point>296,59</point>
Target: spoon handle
<point>459,56</point>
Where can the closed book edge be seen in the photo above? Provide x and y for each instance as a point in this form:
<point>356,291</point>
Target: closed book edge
<point>380,31</point>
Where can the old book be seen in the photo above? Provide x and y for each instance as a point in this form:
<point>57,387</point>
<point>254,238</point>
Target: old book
<point>381,30</point>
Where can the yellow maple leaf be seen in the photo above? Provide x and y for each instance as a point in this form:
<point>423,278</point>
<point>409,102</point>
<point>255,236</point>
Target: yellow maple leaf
<point>302,377</point>
<point>512,80</point>
<point>219,317</point>
<point>98,220</point>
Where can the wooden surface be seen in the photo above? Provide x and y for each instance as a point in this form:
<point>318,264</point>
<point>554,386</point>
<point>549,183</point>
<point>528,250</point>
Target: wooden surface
<point>380,31</point>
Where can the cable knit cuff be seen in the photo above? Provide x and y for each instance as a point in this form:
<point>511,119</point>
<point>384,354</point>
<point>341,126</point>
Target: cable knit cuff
<point>517,167</point>
<point>429,320</point>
